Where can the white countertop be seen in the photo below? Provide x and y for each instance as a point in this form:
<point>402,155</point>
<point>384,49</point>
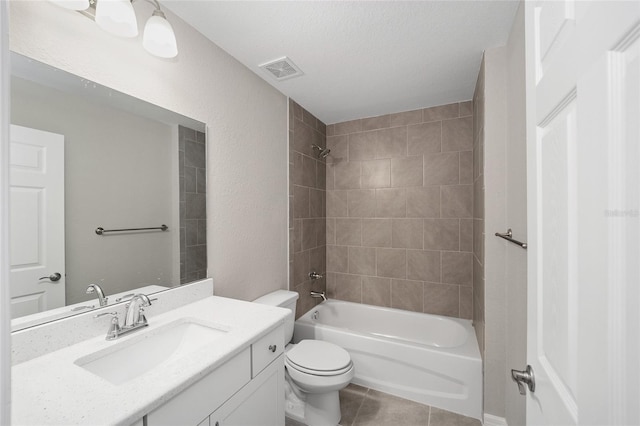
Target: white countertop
<point>51,389</point>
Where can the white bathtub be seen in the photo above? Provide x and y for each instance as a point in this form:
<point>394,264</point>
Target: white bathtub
<point>426,358</point>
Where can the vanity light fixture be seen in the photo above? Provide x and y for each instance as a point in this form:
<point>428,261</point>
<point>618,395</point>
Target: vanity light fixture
<point>118,18</point>
<point>158,37</point>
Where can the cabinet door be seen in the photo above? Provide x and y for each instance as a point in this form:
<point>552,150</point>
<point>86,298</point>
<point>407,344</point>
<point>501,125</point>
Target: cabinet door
<point>196,402</point>
<point>259,403</point>
<point>205,422</point>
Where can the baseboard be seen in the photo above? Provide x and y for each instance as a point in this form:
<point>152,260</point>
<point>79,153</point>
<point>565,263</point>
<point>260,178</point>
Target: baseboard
<point>491,420</point>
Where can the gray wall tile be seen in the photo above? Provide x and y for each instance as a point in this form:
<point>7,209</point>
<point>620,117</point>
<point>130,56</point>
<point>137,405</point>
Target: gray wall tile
<point>376,291</point>
<point>349,232</point>
<point>406,172</point>
<point>376,174</point>
<point>419,164</point>
<point>376,232</point>
<point>391,263</point>
<point>424,138</point>
<point>407,233</point>
<point>442,168</point>
<point>391,202</point>
<point>456,201</point>
<point>457,268</point>
<point>442,112</point>
<point>457,134</point>
<point>407,295</point>
<point>442,234</point>
<point>362,260</point>
<point>362,203</point>
<point>309,204</point>
<point>391,143</point>
<point>423,265</point>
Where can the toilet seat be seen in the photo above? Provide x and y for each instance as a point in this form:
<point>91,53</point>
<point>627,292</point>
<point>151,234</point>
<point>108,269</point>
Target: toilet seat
<point>318,358</point>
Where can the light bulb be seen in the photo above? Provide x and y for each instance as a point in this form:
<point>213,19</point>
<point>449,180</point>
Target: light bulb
<point>158,37</point>
<point>117,17</point>
<point>72,4</point>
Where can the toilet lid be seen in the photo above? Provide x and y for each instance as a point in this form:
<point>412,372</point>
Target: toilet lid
<point>319,356</point>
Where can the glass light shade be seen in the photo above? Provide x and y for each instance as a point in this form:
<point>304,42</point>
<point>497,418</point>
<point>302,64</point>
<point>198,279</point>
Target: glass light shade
<point>158,37</point>
<point>117,17</point>
<point>72,4</point>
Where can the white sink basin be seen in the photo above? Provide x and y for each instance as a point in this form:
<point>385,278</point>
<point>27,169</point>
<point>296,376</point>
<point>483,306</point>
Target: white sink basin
<point>133,357</point>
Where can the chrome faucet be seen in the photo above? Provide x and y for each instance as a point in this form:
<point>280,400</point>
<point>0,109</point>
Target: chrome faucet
<point>133,320</point>
<point>95,288</point>
<point>318,294</point>
<point>134,317</point>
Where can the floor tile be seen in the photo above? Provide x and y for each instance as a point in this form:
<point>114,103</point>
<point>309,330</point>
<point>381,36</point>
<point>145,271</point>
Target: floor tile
<point>445,418</point>
<point>381,409</point>
<point>361,406</point>
<point>351,399</point>
<point>290,422</point>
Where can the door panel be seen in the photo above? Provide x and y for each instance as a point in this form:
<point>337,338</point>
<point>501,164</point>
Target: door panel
<point>37,220</point>
<point>583,201</point>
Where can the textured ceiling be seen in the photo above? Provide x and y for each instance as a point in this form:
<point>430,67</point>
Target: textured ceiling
<point>359,58</point>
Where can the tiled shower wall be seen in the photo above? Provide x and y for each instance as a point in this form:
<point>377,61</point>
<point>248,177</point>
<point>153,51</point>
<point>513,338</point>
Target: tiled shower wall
<point>307,201</point>
<point>478,209</point>
<point>192,171</point>
<point>400,209</point>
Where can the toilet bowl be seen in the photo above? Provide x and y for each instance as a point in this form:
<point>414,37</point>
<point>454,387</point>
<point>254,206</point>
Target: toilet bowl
<point>315,371</point>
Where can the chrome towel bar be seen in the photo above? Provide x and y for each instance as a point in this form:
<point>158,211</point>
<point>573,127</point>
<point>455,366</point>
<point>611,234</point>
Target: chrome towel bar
<point>508,236</point>
<point>101,231</point>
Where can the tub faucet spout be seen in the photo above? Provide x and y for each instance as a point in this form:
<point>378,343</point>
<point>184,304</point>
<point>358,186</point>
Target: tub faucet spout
<point>318,294</point>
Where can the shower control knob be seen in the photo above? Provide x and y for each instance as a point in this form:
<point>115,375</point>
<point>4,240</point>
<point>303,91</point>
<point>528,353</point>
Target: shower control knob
<point>273,348</point>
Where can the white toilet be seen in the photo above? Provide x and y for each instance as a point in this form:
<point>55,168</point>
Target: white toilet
<point>315,371</point>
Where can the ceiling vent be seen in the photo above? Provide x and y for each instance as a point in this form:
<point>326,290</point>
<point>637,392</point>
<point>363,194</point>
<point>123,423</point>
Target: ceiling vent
<point>282,68</point>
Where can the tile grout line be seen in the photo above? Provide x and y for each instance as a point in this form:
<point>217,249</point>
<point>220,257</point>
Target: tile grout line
<point>360,407</point>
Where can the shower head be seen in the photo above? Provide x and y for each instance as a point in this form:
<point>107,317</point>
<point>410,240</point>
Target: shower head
<point>322,152</point>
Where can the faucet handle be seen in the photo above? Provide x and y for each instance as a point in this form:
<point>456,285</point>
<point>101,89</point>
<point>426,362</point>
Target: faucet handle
<point>114,326</point>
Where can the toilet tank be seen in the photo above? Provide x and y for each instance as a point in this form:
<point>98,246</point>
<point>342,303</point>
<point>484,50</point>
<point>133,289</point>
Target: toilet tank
<point>283,299</point>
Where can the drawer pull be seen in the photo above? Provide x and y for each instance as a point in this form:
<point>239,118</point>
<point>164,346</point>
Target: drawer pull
<point>273,348</point>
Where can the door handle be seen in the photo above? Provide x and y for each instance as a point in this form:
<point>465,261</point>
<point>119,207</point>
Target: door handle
<point>53,277</point>
<point>524,377</point>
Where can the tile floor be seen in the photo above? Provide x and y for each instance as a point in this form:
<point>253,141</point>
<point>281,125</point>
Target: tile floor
<point>363,406</point>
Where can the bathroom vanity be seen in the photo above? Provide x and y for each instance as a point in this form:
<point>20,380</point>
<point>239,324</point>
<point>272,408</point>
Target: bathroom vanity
<point>216,361</point>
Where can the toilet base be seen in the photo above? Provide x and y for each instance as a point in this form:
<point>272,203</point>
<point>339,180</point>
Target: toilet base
<point>312,409</point>
<point>322,409</point>
<point>294,405</point>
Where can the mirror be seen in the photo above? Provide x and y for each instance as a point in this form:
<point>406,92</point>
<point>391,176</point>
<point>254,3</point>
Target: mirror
<point>91,170</point>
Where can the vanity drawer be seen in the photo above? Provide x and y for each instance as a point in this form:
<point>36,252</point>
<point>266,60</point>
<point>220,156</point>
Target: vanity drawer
<point>198,401</point>
<point>265,350</point>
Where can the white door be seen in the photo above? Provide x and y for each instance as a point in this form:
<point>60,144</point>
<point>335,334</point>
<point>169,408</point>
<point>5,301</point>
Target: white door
<point>36,221</point>
<point>583,94</point>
